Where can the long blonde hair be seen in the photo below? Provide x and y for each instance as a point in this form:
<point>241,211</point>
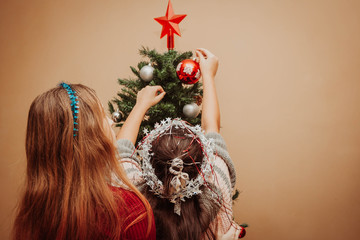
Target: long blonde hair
<point>67,193</point>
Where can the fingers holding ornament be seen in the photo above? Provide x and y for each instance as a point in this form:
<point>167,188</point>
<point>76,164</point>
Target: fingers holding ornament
<point>208,62</point>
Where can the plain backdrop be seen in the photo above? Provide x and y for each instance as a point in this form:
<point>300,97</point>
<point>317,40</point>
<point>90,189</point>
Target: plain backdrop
<point>288,86</point>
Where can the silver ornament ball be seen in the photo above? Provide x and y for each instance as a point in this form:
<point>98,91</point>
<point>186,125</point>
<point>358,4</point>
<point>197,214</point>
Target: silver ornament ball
<point>147,73</point>
<point>116,116</point>
<point>191,110</point>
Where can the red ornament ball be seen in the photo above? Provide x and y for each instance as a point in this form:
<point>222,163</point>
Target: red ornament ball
<point>188,71</point>
<point>242,232</point>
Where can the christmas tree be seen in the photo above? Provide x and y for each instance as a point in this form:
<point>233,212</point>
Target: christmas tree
<point>178,76</point>
<point>174,71</point>
<point>178,95</point>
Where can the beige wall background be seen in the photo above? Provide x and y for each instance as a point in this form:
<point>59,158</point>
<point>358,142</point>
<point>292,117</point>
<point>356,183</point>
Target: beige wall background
<point>288,84</point>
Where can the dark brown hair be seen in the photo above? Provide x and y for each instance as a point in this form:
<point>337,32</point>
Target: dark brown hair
<point>66,193</point>
<point>198,211</point>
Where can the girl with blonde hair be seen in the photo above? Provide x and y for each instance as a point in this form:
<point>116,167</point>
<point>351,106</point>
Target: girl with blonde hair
<point>74,187</point>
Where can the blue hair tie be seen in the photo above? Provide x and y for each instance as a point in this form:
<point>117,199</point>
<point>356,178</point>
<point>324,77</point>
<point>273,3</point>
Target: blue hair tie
<point>74,104</point>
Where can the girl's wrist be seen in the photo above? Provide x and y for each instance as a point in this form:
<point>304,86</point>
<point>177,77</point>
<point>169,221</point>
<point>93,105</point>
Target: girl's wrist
<point>208,77</point>
<point>141,108</point>
<point>208,82</point>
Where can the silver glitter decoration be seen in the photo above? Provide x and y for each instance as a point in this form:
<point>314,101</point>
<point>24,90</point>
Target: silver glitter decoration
<point>190,187</point>
<point>191,110</point>
<point>147,73</point>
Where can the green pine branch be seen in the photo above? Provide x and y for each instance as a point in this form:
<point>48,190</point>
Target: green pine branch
<point>177,94</point>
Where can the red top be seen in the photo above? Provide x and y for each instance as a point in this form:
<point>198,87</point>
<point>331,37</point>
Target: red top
<point>134,207</point>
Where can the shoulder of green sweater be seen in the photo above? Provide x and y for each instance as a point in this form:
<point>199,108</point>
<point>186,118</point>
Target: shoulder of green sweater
<point>125,148</point>
<point>217,138</point>
<point>221,151</point>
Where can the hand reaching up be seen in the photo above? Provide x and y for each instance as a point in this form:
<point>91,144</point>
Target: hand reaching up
<point>210,117</point>
<point>149,96</point>
<point>208,63</point>
<point>146,98</point>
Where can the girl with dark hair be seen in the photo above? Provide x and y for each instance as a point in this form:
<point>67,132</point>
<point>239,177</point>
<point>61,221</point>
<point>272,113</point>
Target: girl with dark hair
<point>186,175</point>
<point>75,188</point>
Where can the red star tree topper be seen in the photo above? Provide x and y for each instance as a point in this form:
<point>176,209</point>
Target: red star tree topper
<point>170,23</point>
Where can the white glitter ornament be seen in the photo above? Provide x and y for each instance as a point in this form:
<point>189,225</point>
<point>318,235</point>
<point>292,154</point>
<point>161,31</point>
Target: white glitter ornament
<point>147,73</point>
<point>191,110</point>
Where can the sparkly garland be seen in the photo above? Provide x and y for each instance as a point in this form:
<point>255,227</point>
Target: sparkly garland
<point>74,104</point>
<point>192,187</point>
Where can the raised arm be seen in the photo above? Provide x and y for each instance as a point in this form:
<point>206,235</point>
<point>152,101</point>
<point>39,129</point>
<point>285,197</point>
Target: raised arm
<point>146,98</point>
<point>210,116</point>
